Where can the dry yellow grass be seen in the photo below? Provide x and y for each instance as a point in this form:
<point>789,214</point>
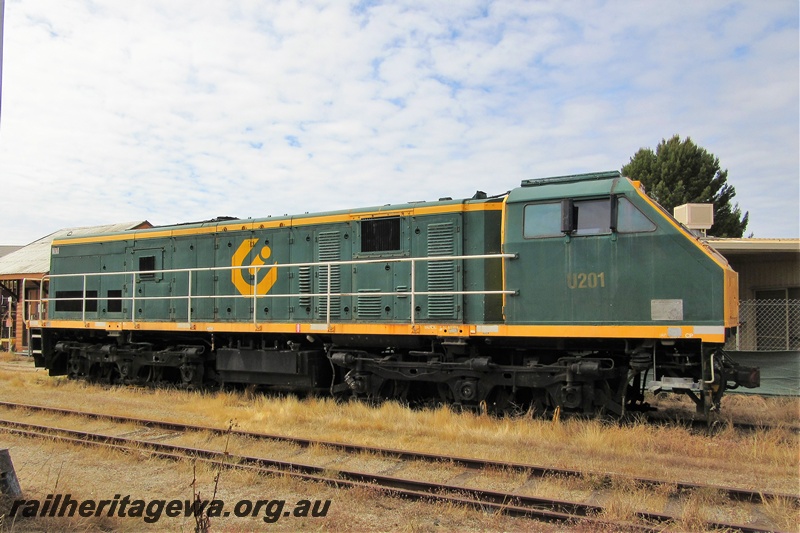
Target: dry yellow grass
<point>744,408</point>
<point>655,451</point>
<point>762,460</point>
<point>782,513</point>
<point>88,473</point>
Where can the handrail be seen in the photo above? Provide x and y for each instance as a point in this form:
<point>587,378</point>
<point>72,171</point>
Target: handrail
<point>328,294</point>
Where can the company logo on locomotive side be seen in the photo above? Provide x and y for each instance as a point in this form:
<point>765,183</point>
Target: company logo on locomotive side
<point>270,275</point>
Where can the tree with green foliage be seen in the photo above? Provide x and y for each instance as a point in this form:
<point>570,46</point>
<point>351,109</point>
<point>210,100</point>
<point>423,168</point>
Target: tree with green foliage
<point>680,172</point>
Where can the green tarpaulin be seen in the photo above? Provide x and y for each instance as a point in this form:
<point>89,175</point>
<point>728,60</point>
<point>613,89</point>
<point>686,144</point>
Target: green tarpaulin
<point>780,372</point>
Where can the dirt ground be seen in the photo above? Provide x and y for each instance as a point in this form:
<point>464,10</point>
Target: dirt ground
<point>87,474</point>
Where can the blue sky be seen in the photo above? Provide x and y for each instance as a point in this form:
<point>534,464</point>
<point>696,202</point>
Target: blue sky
<point>186,110</point>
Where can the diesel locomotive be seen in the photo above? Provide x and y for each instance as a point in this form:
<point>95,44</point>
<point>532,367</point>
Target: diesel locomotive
<point>574,292</point>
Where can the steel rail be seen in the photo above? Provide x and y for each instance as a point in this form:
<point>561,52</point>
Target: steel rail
<point>712,427</point>
<point>508,503</point>
<point>534,471</point>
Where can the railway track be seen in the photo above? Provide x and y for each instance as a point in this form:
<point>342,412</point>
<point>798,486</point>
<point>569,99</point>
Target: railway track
<point>601,478</point>
<point>510,503</point>
<point>710,428</point>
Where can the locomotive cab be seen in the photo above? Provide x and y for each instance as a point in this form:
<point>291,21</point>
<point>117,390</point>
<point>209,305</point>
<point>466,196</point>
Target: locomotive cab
<point>606,269</point>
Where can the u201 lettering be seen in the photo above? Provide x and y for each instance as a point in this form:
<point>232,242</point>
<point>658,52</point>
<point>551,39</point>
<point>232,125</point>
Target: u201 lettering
<point>586,280</point>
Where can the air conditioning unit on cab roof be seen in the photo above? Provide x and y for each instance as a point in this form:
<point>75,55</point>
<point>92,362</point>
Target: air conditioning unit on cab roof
<point>695,216</point>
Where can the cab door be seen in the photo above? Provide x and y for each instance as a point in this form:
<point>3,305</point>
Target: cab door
<point>438,236</point>
<point>151,289</point>
<point>563,273</point>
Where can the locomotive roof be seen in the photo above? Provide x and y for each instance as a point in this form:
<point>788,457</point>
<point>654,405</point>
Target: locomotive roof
<point>572,178</point>
<point>574,186</point>
<point>479,202</point>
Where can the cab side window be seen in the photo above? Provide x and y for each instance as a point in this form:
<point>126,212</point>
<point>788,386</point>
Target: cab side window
<point>592,217</point>
<point>542,220</point>
<point>630,219</point>
<point>597,216</point>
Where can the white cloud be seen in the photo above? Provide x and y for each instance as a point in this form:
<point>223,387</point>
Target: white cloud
<point>176,111</point>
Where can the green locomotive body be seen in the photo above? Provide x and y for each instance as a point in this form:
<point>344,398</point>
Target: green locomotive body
<point>566,292</point>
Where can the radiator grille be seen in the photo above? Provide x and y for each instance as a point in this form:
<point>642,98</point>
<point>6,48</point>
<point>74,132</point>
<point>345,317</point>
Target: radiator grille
<point>441,274</point>
<point>369,306</point>
<point>329,249</point>
<point>304,285</point>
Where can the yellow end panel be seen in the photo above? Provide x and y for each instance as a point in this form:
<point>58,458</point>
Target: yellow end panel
<point>731,298</point>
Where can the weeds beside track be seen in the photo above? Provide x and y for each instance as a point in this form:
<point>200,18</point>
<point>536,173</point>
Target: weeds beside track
<point>599,479</point>
<point>546,509</point>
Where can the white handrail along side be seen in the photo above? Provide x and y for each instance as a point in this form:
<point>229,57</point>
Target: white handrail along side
<point>46,303</point>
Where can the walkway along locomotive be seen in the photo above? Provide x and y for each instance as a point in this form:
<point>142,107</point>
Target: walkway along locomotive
<point>577,292</point>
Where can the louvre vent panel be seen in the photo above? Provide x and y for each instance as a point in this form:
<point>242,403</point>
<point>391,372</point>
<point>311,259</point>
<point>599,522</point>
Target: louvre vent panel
<point>369,306</point>
<point>304,284</point>
<point>329,249</point>
<point>441,274</point>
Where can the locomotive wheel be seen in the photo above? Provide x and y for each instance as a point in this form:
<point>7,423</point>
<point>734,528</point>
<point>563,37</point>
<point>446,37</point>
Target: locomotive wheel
<point>145,374</point>
<point>609,398</point>
<point>192,376</point>
<point>75,368</point>
<point>98,373</point>
<point>393,390</point>
<point>108,374</point>
<point>94,373</point>
<point>539,402</point>
<point>503,400</point>
<point>444,392</point>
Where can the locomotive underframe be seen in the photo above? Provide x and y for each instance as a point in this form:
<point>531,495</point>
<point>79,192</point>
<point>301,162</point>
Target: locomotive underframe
<point>582,376</point>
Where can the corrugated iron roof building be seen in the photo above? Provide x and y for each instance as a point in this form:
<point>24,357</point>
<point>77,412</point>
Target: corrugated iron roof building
<point>21,272</point>
<point>5,250</point>
<point>768,335</point>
